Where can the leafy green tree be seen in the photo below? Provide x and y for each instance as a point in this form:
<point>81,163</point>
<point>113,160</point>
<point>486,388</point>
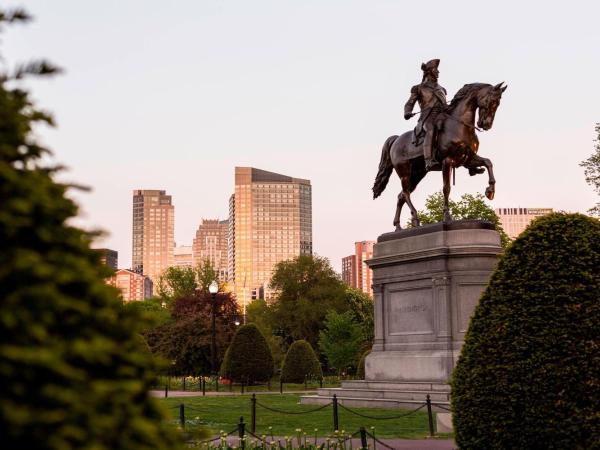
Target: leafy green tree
<point>259,313</point>
<point>468,207</point>
<point>341,340</point>
<point>176,282</point>
<point>248,358</point>
<point>361,305</point>
<point>152,310</point>
<point>528,376</point>
<point>205,275</point>
<point>72,368</point>
<point>300,363</point>
<point>592,171</point>
<point>307,288</point>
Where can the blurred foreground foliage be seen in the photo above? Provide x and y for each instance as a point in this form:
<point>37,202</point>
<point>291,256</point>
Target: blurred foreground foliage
<point>73,368</point>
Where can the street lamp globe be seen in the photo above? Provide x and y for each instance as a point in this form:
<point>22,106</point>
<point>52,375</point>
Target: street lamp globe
<point>213,288</point>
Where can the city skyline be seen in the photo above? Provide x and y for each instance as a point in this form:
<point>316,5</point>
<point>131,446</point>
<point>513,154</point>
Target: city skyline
<point>317,104</point>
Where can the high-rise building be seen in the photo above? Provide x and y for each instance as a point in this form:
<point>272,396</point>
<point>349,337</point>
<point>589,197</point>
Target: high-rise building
<point>355,271</point>
<point>210,244</point>
<point>515,220</point>
<point>133,286</point>
<point>109,257</point>
<point>270,220</point>
<point>153,232</point>
<point>183,256</point>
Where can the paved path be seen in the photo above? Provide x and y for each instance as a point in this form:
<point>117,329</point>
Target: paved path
<point>161,394</point>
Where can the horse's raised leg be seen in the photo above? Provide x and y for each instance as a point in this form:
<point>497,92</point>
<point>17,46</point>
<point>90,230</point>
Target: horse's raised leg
<point>446,170</point>
<point>398,211</point>
<point>406,189</point>
<point>478,161</point>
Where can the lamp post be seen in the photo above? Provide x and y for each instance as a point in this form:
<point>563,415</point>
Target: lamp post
<point>213,289</point>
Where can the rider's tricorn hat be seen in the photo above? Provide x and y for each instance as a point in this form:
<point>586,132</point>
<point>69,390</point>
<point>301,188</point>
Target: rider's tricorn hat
<point>430,65</point>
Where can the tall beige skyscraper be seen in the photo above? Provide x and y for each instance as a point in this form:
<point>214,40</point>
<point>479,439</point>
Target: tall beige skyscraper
<point>153,232</point>
<point>210,244</point>
<point>270,220</point>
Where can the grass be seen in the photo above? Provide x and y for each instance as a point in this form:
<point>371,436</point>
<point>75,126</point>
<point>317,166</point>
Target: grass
<point>223,414</point>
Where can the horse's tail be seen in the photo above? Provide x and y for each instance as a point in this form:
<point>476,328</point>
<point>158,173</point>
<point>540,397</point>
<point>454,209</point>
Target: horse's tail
<point>385,168</point>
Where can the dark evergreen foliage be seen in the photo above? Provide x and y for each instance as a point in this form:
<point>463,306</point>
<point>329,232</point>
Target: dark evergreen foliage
<point>529,373</point>
<point>73,371</point>
<point>248,359</point>
<point>300,363</point>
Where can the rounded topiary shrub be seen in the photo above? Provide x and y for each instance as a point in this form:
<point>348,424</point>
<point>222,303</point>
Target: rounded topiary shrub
<point>360,370</point>
<point>529,373</point>
<point>300,363</point>
<point>248,358</point>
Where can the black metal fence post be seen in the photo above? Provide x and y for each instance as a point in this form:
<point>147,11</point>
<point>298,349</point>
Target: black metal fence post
<point>166,390</point>
<point>203,386</point>
<point>242,386</point>
<point>182,415</point>
<point>321,382</point>
<point>242,431</point>
<point>281,386</point>
<point>336,424</point>
<point>363,438</point>
<point>253,413</point>
<point>430,416</point>
<point>184,383</point>
<point>217,384</point>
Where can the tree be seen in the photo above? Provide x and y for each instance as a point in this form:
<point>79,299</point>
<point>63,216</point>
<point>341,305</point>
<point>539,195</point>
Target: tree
<point>72,368</point>
<point>592,171</point>
<point>176,282</point>
<point>529,372</point>
<point>152,311</point>
<point>341,340</point>
<point>184,342</point>
<point>361,305</point>
<point>205,275</point>
<point>300,363</point>
<point>307,288</point>
<point>259,313</point>
<point>468,207</point>
<point>248,358</point>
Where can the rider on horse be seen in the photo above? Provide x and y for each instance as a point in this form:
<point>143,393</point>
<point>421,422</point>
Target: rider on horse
<point>432,100</point>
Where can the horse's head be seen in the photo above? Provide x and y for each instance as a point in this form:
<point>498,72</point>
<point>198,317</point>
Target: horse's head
<point>488,100</point>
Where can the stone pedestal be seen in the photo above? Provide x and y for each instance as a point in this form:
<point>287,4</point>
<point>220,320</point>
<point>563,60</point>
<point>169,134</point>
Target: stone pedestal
<point>426,283</point>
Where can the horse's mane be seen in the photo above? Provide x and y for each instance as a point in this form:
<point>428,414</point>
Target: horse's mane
<point>464,92</point>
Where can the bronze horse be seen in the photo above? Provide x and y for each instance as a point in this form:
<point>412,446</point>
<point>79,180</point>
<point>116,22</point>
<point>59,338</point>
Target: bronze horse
<point>456,146</point>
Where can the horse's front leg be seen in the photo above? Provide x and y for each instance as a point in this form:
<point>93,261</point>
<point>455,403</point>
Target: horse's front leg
<point>478,161</point>
<point>446,170</point>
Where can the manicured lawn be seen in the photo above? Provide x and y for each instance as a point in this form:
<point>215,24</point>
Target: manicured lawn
<point>223,413</point>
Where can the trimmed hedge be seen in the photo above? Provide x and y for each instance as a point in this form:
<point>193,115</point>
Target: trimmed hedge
<point>529,373</point>
<point>300,363</point>
<point>360,370</point>
<point>248,358</point>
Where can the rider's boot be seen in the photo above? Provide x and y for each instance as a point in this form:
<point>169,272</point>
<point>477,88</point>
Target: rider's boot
<point>427,151</point>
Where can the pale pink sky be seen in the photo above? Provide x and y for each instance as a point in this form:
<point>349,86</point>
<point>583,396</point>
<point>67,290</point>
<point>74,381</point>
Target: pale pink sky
<point>174,95</point>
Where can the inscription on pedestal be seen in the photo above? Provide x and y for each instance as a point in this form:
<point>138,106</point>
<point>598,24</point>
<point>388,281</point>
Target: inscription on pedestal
<point>410,312</point>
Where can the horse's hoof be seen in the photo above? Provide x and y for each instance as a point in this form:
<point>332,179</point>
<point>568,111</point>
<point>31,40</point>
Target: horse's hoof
<point>398,228</point>
<point>489,193</point>
<point>447,218</point>
<point>415,223</point>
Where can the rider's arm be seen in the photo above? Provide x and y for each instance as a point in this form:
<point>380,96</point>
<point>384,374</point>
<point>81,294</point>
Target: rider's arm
<point>410,104</point>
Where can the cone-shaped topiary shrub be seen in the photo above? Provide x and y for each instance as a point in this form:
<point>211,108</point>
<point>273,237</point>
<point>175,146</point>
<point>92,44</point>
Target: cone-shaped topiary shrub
<point>300,363</point>
<point>73,371</point>
<point>360,370</point>
<point>529,373</point>
<point>248,358</point>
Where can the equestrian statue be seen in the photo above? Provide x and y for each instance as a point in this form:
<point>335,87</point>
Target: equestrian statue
<point>443,139</point>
